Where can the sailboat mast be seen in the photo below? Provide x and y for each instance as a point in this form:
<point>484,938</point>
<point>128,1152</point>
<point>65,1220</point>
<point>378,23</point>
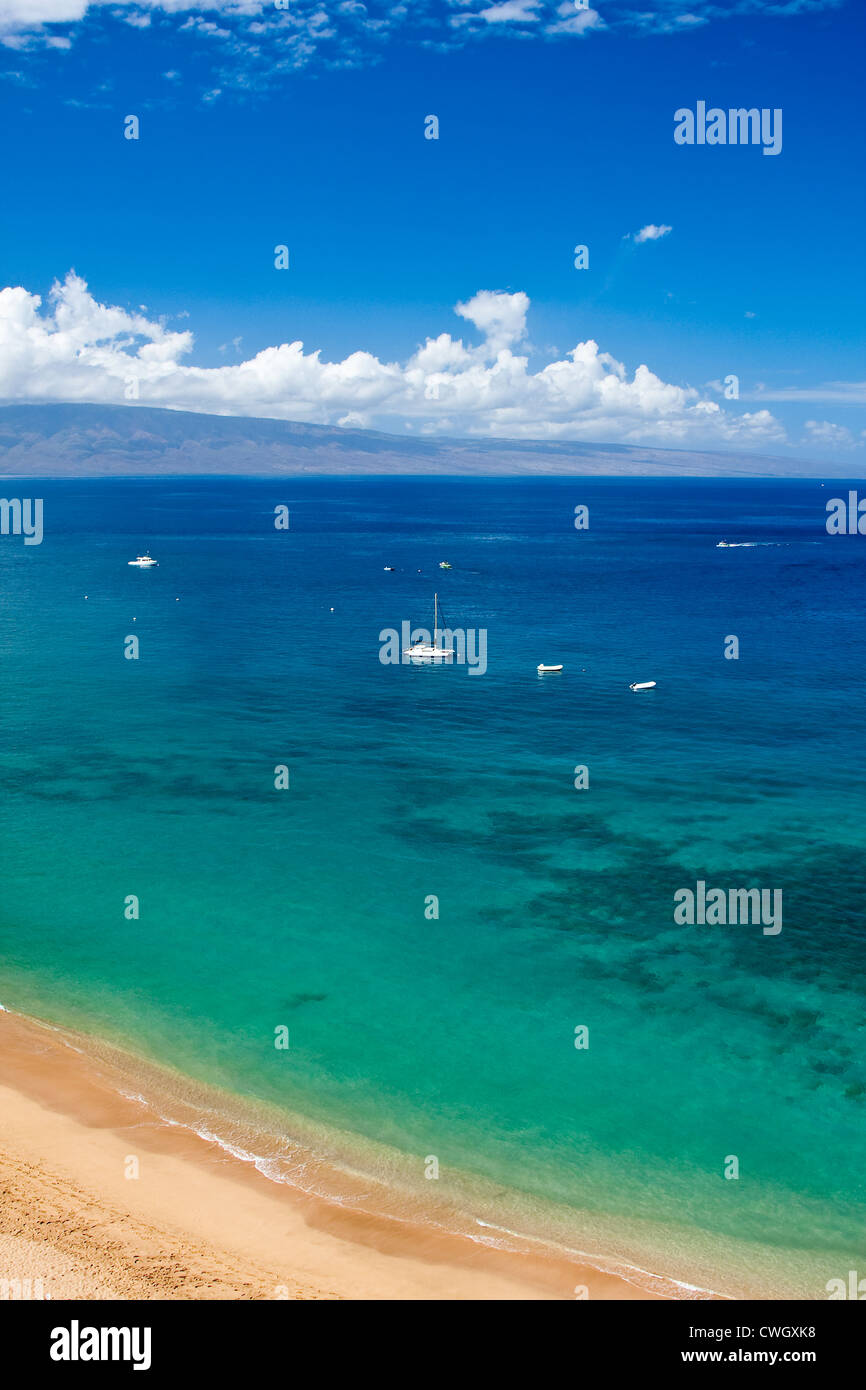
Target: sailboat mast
<point>435,617</point>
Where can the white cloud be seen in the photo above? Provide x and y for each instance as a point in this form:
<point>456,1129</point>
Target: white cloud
<point>834,436</point>
<point>76,349</point>
<point>29,13</point>
<point>839,392</point>
<point>206,27</point>
<point>650,233</point>
<point>571,22</point>
<point>500,317</point>
<point>511,10</point>
<point>350,34</point>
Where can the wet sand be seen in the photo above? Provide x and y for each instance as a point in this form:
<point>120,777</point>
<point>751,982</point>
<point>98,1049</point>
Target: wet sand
<point>197,1223</point>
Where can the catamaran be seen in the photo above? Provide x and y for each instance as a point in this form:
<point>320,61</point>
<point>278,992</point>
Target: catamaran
<point>430,649</point>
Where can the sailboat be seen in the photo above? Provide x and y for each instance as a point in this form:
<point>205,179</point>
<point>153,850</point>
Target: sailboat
<point>430,649</point>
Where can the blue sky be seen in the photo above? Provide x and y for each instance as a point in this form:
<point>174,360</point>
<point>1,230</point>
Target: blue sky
<point>305,127</point>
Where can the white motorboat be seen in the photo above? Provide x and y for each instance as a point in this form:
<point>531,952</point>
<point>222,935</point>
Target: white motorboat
<point>643,685</point>
<point>143,562</point>
<point>542,667</point>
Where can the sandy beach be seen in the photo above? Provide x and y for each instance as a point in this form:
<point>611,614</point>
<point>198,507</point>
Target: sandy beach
<point>197,1223</point>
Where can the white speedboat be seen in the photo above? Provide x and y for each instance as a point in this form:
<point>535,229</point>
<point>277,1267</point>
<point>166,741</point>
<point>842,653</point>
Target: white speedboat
<point>430,650</point>
<point>643,685</point>
<point>143,562</point>
<point>542,667</point>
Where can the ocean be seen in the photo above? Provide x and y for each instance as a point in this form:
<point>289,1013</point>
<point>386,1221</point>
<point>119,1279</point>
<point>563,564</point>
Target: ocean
<point>488,1004</point>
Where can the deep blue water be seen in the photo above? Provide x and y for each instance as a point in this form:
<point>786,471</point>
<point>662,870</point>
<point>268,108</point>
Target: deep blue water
<point>454,1035</point>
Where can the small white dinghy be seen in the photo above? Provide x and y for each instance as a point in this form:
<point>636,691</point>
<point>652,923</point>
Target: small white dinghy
<point>542,667</point>
<point>643,685</point>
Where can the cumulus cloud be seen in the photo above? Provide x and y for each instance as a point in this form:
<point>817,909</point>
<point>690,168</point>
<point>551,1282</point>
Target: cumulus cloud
<point>76,349</point>
<point>500,317</point>
<point>650,233</point>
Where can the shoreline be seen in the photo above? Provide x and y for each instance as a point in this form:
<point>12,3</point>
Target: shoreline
<point>201,1222</point>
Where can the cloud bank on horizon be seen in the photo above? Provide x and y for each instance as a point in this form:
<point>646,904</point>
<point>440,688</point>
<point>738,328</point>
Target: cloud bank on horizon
<point>294,34</point>
<point>77,349</point>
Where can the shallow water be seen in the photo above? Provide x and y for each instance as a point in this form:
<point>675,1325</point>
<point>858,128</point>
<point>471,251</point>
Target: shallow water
<point>454,1037</point>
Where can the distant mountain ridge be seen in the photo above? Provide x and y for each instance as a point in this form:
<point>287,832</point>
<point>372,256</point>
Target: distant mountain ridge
<point>80,440</point>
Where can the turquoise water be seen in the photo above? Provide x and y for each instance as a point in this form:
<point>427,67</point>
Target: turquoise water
<point>454,1036</point>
